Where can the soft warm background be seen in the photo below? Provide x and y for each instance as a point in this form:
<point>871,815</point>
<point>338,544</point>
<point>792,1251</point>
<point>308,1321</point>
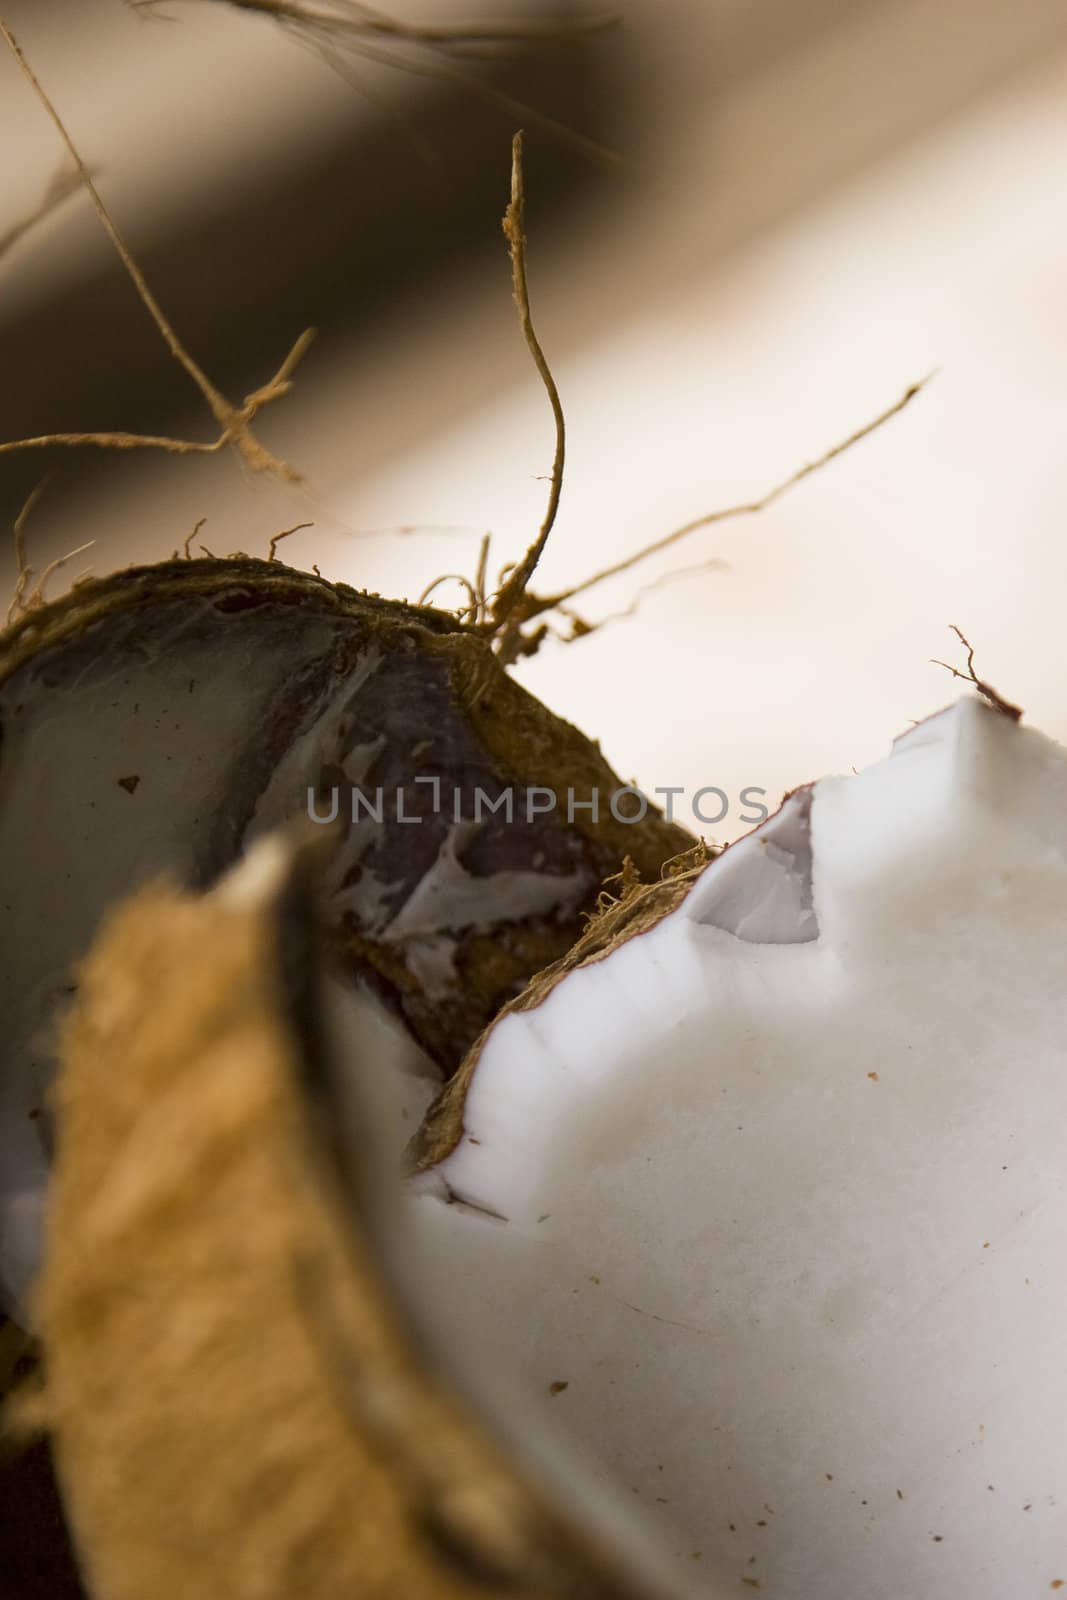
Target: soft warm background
<point>822,200</point>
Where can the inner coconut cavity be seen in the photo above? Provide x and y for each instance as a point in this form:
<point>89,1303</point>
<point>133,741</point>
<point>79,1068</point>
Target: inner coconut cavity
<point>767,1207</point>
<point>164,719</point>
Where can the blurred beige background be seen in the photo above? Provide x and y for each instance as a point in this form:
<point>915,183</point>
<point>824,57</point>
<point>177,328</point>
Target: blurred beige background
<point>820,202</point>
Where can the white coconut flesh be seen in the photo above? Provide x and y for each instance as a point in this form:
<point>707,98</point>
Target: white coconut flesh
<point>767,1208</point>
<point>149,752</point>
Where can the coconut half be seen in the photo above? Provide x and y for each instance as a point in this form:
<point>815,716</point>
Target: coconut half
<point>237,1400</point>
<point>165,717</point>
<point>762,1199</point>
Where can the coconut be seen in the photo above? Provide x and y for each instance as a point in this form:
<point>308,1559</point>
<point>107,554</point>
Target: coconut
<point>237,1400</point>
<point>737,1237</point>
<point>165,717</point>
<point>761,1198</point>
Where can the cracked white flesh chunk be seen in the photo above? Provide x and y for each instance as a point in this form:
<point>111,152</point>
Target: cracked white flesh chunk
<point>778,1191</point>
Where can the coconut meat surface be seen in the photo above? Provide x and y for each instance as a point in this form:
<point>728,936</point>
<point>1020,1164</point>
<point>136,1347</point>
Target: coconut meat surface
<point>147,745</point>
<point>111,774</point>
<point>767,1208</point>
